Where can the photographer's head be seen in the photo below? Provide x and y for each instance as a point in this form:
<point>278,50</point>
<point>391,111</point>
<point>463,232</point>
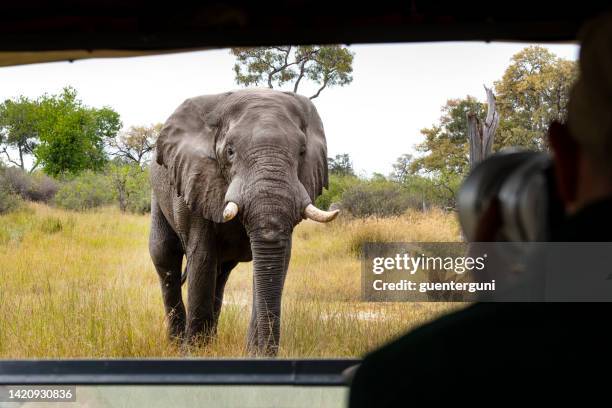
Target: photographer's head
<point>583,148</point>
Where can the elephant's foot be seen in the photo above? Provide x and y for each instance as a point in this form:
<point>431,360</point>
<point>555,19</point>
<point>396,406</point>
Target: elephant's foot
<point>199,334</point>
<point>176,325</point>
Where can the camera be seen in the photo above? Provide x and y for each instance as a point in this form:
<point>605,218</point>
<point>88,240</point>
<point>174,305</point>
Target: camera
<point>523,183</point>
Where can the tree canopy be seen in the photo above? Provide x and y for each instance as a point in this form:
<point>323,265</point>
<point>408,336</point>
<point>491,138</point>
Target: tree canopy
<point>445,148</point>
<point>60,133</point>
<point>341,165</point>
<point>325,66</point>
<point>135,144</point>
<point>444,156</point>
<point>18,130</point>
<point>533,92</point>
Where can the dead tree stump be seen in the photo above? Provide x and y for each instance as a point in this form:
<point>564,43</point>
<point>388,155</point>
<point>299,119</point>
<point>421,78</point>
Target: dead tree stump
<point>481,135</point>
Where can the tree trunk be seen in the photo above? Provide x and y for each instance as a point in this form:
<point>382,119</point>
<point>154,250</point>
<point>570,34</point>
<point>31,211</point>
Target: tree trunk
<point>481,136</point>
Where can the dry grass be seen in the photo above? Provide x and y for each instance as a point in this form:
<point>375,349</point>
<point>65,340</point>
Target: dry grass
<point>82,285</point>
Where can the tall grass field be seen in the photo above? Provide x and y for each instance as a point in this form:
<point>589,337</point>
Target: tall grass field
<point>81,284</point>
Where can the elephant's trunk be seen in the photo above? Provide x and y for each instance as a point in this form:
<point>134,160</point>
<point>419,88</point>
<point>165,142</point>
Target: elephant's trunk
<point>270,261</point>
<point>271,207</point>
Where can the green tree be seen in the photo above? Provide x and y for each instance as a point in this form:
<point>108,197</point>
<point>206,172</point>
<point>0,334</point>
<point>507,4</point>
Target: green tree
<point>341,165</point>
<point>402,168</point>
<point>532,93</point>
<point>72,135</point>
<point>18,132</point>
<point>338,184</point>
<point>325,66</point>
<point>131,187</point>
<point>58,132</point>
<point>444,154</point>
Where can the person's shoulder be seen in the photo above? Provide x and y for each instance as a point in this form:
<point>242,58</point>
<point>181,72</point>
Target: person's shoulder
<point>412,361</point>
<point>438,333</point>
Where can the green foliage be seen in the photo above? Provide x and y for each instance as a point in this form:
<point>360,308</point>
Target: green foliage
<point>72,135</point>
<point>378,197</point>
<point>340,165</point>
<point>18,130</point>
<point>338,184</point>
<point>444,154</point>
<point>9,201</point>
<point>445,148</point>
<point>533,92</point>
<point>63,135</point>
<point>325,66</point>
<point>126,185</point>
<point>85,191</point>
<point>431,192</point>
<point>131,187</point>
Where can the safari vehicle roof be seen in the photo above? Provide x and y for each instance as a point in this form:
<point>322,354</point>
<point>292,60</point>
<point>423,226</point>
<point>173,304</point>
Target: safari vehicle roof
<point>34,31</point>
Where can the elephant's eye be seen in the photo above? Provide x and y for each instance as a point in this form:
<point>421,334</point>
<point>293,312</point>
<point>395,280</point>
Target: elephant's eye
<point>230,152</point>
<point>302,150</point>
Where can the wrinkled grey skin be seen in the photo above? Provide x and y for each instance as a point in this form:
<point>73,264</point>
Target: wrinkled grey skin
<point>265,150</point>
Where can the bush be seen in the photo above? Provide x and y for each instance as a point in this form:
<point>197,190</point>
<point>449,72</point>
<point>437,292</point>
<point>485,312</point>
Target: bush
<point>34,187</point>
<point>85,191</point>
<point>338,184</point>
<point>131,187</point>
<point>9,201</point>
<point>381,198</point>
<point>139,188</point>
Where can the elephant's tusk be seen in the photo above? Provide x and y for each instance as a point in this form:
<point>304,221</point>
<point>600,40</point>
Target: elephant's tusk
<point>231,209</point>
<point>315,214</point>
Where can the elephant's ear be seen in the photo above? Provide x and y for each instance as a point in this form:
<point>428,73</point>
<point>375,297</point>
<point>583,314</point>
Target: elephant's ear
<point>313,170</point>
<point>186,147</point>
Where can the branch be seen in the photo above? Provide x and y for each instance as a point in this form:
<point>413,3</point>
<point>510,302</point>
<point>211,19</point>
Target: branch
<point>320,89</point>
<point>325,81</point>
<point>8,157</point>
<point>297,83</point>
<point>36,163</point>
<point>287,53</point>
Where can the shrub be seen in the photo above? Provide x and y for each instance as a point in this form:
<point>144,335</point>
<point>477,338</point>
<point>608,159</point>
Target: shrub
<point>34,187</point>
<point>44,187</point>
<point>381,198</point>
<point>338,184</point>
<point>131,187</point>
<point>9,201</point>
<point>139,187</point>
<point>85,191</point>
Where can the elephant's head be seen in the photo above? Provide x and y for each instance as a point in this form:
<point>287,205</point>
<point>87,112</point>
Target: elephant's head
<point>260,156</point>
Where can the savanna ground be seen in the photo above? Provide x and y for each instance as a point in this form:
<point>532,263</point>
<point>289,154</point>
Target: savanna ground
<point>82,285</point>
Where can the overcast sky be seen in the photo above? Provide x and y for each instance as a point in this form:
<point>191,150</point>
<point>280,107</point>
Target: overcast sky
<point>397,90</point>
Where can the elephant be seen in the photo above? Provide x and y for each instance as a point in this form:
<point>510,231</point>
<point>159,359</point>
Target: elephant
<point>231,177</point>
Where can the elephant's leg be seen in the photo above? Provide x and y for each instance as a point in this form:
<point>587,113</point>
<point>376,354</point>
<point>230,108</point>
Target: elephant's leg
<point>167,255</point>
<point>222,276</point>
<point>201,284</point>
